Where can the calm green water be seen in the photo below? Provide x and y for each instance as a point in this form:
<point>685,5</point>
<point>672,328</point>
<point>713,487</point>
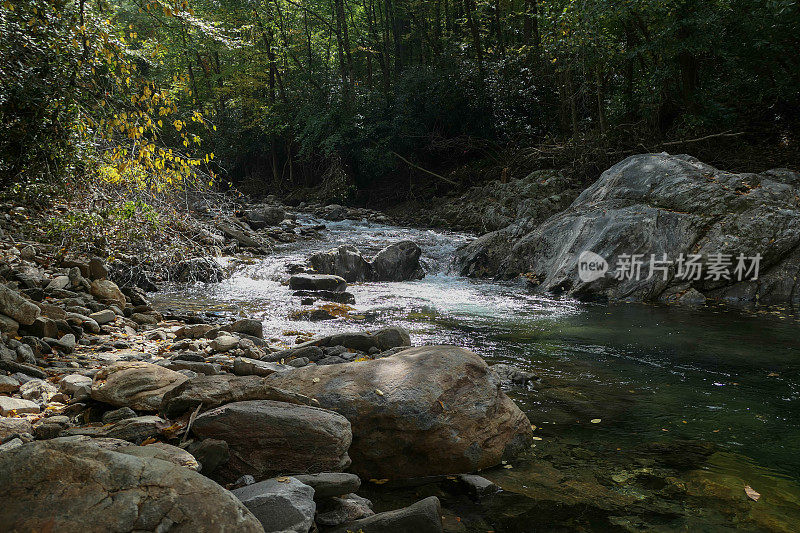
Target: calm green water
<point>693,405</point>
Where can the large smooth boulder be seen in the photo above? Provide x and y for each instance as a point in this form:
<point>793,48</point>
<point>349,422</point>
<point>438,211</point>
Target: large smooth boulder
<point>68,486</point>
<point>14,305</point>
<point>425,516</point>
<point>213,391</point>
<point>317,282</point>
<point>398,262</point>
<point>424,411</point>
<point>268,437</point>
<point>135,384</point>
<point>282,505</point>
<point>656,204</point>
<point>345,261</point>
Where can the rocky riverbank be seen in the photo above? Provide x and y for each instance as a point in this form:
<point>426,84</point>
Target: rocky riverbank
<point>117,417</point>
<point>708,234</point>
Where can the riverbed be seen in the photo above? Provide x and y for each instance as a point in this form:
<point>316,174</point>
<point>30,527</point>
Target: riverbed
<point>649,416</point>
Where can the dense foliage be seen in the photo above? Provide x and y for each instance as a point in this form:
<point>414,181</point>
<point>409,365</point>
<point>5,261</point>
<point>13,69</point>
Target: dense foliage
<point>350,91</point>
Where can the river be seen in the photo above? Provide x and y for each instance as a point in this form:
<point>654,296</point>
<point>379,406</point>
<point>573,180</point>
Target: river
<point>650,417</point>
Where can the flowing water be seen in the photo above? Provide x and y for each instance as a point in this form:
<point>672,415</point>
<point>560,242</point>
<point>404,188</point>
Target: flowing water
<point>649,417</point>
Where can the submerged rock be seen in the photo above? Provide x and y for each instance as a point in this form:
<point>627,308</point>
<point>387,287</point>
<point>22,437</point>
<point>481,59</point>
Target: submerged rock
<point>425,411</point>
<point>68,486</point>
<point>425,516</point>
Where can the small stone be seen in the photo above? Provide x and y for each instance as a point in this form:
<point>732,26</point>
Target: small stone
<point>104,317</point>
<point>76,385</point>
<point>224,343</point>
<point>14,426</point>
<point>10,445</point>
<point>123,413</point>
<point>16,405</point>
<point>27,252</point>
<point>38,390</point>
<point>58,283</point>
<point>8,384</point>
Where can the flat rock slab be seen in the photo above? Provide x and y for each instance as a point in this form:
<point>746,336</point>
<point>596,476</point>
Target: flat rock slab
<point>213,391</point>
<point>73,487</point>
<point>424,411</point>
<point>9,406</point>
<point>327,484</point>
<point>268,437</point>
<point>317,282</point>
<point>135,384</point>
<point>281,504</point>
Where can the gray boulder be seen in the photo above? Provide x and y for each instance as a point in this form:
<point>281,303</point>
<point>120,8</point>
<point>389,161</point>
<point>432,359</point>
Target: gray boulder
<point>317,282</point>
<point>67,486</point>
<point>345,261</point>
<point>398,262</point>
<point>267,215</point>
<point>268,437</point>
<point>659,204</point>
<point>282,505</point>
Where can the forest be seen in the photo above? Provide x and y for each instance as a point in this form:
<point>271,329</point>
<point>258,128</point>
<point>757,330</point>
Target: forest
<point>377,99</point>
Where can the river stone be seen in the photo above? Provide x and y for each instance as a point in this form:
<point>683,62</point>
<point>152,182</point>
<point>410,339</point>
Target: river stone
<point>327,484</point>
<point>316,282</point>
<point>135,384</point>
<point>14,426</point>
<point>38,390</point>
<point>398,262</point>
<point>268,215</point>
<point>104,317</point>
<point>9,406</point>
<point>425,516</point>
<point>213,391</point>
<point>424,411</point>
<point>224,343</point>
<point>282,505</point>
<point>336,511</point>
<point>134,429</point>
<point>8,384</point>
<point>9,326</point>
<point>268,437</point>
<point>13,305</point>
<point>658,204</point>
<point>248,326</point>
<point>345,261</point>
<point>244,366</point>
<point>67,486</point>
<point>210,453</point>
<point>163,451</point>
<point>107,290</point>
<point>58,283</point>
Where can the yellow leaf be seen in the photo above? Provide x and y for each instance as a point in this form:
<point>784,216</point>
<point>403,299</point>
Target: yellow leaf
<point>753,495</point>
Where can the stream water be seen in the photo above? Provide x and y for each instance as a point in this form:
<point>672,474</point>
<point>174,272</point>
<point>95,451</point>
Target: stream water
<point>650,417</point>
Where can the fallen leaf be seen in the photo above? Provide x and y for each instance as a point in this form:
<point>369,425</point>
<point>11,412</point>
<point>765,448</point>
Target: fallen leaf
<point>753,495</point>
<point>282,479</point>
<point>595,420</point>
<point>379,392</point>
